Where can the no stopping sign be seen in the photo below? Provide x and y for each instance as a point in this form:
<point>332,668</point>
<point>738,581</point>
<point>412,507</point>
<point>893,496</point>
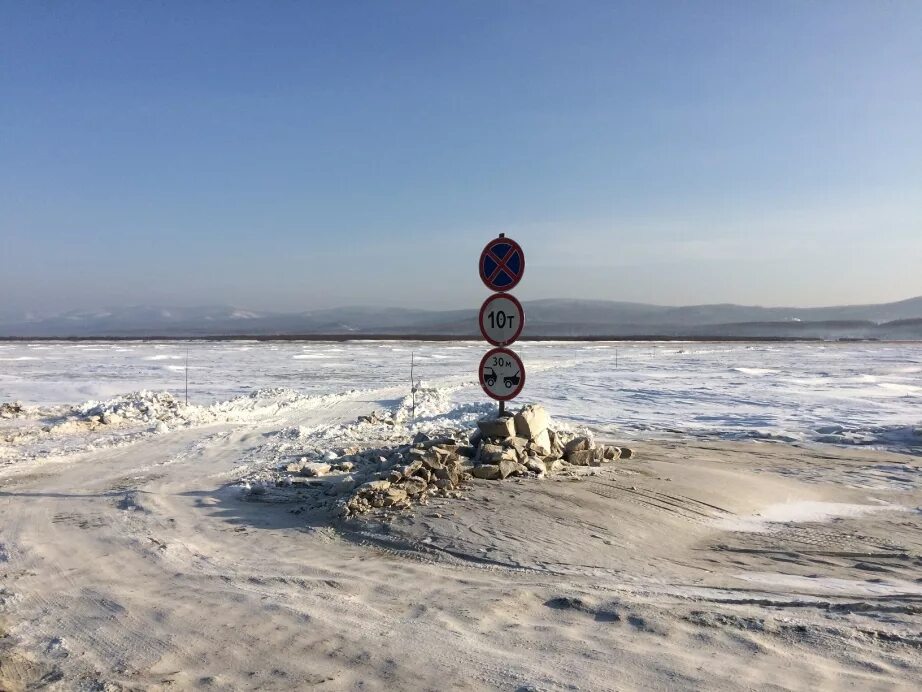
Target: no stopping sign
<point>502,264</point>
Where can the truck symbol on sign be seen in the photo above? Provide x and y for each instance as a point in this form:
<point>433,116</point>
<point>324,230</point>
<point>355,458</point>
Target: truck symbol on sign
<point>489,376</point>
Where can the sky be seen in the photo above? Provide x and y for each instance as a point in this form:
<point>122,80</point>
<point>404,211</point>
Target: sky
<point>297,155</point>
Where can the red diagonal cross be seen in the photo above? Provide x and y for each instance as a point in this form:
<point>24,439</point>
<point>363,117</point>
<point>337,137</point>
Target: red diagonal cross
<point>501,264</point>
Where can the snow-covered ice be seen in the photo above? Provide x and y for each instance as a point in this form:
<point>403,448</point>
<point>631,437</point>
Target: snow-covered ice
<point>867,394</point>
<point>127,508</point>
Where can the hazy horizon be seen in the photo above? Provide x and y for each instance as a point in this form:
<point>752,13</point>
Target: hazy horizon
<point>247,311</point>
<point>291,157</point>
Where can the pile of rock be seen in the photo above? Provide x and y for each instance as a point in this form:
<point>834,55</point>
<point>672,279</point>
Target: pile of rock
<point>11,410</point>
<point>138,407</point>
<point>515,445</point>
<point>430,466</point>
<point>356,480</point>
<point>520,445</point>
<point>376,418</point>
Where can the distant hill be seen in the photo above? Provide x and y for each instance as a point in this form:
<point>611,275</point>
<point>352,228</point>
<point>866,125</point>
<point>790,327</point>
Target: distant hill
<point>551,318</point>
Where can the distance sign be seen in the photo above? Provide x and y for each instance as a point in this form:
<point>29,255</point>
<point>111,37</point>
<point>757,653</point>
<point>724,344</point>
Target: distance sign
<point>502,374</point>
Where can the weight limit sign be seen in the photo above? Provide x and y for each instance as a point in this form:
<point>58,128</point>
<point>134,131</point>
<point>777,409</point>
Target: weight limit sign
<point>501,319</point>
<point>502,374</point>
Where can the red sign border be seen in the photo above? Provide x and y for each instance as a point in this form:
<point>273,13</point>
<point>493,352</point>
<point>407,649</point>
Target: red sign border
<point>517,278</point>
<point>517,390</point>
<point>483,309</point>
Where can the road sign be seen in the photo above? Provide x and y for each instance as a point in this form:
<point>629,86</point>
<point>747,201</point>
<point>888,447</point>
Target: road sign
<point>502,264</point>
<point>501,319</point>
<point>502,374</point>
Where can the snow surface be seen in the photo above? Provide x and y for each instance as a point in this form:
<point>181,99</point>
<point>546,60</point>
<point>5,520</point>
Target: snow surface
<point>773,517</point>
<point>869,394</point>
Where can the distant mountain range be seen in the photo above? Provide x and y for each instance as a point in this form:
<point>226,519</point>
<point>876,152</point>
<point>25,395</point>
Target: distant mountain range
<point>544,318</point>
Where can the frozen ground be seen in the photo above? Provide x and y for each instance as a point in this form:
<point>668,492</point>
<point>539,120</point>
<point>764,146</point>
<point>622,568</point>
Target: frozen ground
<point>838,393</point>
<point>136,554</point>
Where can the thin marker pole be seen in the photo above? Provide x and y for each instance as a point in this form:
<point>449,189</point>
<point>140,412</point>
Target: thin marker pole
<point>413,386</point>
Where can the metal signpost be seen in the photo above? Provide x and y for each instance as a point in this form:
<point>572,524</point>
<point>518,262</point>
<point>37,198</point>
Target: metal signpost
<point>502,318</point>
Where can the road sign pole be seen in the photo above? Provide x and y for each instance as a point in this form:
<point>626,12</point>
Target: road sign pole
<point>502,373</point>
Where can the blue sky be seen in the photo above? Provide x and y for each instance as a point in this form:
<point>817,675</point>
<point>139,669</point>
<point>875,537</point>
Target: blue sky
<point>294,155</point>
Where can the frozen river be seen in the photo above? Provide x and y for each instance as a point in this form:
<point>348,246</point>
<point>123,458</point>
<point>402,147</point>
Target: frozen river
<point>850,393</point>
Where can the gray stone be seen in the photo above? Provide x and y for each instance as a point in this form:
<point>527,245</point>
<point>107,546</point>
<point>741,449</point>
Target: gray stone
<point>306,482</point>
<point>580,457</point>
<point>577,444</point>
<point>488,472</point>
<point>497,428</point>
<point>452,474</point>
<point>518,443</point>
<point>393,496</point>
<point>438,442</point>
<point>433,461</point>
<point>374,486</point>
<point>531,421</point>
<point>465,464</point>
<point>611,453</point>
<point>445,484</point>
<point>411,468</point>
<point>414,485</point>
<point>536,465</point>
<point>627,453</point>
<point>505,455</point>
<point>315,468</point>
<point>346,485</point>
<point>490,453</point>
<point>541,443</point>
<point>553,465</point>
<point>452,459</point>
<point>508,467</point>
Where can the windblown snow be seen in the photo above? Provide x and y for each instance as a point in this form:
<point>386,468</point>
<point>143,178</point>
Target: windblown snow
<point>846,394</point>
<point>147,541</point>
